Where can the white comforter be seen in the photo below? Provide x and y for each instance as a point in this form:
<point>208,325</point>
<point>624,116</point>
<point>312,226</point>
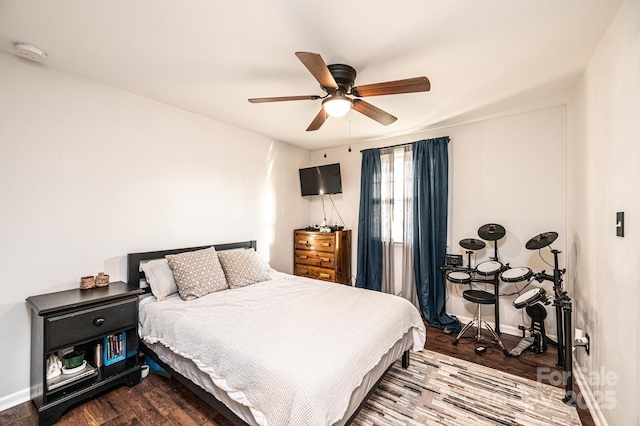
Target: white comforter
<point>291,349</point>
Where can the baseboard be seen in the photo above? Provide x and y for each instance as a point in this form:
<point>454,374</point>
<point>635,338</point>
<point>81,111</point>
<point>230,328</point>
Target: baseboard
<point>14,399</point>
<point>587,395</point>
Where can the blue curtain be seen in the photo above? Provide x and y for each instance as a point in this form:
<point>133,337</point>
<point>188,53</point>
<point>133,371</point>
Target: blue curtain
<point>369,273</point>
<point>430,206</point>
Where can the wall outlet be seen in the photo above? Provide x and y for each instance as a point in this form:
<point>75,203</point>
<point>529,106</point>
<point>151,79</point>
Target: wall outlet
<point>588,344</point>
<point>584,342</point>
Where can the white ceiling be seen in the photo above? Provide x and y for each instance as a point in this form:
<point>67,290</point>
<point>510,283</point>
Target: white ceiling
<point>483,57</point>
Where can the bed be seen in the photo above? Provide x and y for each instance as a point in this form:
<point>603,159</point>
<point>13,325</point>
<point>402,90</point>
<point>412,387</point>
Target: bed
<point>287,350</point>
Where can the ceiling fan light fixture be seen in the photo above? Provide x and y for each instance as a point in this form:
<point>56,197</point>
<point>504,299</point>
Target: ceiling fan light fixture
<point>337,106</point>
<point>337,81</point>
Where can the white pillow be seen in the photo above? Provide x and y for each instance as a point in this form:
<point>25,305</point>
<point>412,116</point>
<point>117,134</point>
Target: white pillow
<point>160,278</point>
<point>263,263</point>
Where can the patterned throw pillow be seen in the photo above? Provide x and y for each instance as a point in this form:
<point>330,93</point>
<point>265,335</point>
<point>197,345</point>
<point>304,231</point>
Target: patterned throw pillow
<point>197,273</point>
<point>242,267</point>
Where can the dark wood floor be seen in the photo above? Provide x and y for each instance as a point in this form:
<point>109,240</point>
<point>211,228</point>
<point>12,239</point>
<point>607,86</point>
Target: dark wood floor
<point>162,401</point>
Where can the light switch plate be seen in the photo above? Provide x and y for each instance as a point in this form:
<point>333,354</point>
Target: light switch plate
<point>620,224</point>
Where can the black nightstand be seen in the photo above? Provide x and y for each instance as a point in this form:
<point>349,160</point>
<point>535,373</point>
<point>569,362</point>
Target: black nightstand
<point>80,319</point>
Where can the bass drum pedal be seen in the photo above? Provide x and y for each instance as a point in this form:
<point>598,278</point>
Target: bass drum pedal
<point>524,344</point>
<point>537,338</point>
<point>538,314</point>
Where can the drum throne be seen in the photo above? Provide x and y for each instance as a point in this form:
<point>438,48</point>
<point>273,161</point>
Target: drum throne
<point>479,297</point>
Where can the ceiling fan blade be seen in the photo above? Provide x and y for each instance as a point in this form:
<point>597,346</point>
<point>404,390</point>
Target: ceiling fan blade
<point>373,112</point>
<point>317,122</point>
<point>409,85</point>
<point>317,67</point>
<point>284,98</point>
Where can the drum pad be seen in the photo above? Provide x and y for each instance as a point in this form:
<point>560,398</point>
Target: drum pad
<point>537,312</point>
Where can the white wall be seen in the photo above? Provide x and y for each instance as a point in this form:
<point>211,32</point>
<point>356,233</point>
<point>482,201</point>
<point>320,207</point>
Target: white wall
<point>89,173</point>
<point>508,170</point>
<point>603,155</point>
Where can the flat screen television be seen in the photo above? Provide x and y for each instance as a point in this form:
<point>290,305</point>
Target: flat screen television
<point>321,180</point>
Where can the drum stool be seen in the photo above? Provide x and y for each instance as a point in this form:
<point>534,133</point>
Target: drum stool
<point>479,297</point>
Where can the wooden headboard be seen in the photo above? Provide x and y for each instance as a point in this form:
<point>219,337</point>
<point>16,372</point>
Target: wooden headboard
<point>134,275</point>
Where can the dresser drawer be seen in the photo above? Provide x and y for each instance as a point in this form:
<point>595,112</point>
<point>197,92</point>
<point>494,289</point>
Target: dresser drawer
<point>315,273</point>
<point>315,258</point>
<point>64,330</point>
<point>317,242</point>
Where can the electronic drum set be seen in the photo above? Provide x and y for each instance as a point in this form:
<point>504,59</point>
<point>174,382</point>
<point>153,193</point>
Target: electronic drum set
<point>532,301</point>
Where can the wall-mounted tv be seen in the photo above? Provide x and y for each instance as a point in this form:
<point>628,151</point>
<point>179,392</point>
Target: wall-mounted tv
<point>321,180</point>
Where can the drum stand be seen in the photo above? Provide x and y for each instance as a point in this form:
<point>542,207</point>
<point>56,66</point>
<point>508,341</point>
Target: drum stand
<point>563,306</point>
<point>490,232</point>
<point>564,303</point>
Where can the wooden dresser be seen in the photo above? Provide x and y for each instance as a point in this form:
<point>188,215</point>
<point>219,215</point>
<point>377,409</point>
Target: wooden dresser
<point>323,255</point>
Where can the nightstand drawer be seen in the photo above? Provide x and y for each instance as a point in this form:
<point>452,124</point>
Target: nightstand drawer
<point>64,330</point>
<point>314,258</point>
<point>316,273</point>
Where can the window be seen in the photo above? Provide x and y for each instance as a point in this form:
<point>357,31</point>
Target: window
<point>396,187</point>
<point>398,194</point>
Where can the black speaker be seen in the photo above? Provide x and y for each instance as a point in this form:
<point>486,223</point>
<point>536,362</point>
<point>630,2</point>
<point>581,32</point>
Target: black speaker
<point>453,260</point>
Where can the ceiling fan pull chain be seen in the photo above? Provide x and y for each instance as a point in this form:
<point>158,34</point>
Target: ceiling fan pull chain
<point>349,130</point>
<point>325,135</point>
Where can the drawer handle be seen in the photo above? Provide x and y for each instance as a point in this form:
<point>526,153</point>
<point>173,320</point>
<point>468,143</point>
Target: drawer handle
<point>324,259</point>
<point>303,242</point>
<point>324,275</point>
<point>326,244</point>
<point>98,322</point>
<point>303,257</point>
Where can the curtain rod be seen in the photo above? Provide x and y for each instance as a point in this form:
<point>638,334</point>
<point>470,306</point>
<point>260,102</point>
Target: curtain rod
<point>398,145</point>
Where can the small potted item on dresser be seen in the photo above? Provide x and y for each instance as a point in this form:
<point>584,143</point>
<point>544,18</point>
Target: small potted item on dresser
<point>87,282</point>
<point>102,280</point>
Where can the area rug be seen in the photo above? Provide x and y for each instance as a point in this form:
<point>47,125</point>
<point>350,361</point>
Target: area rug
<point>440,390</point>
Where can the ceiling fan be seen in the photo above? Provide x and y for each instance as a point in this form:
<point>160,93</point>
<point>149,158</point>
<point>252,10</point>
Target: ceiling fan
<point>337,80</point>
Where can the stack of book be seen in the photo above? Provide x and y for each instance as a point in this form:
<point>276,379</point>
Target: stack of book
<point>114,348</point>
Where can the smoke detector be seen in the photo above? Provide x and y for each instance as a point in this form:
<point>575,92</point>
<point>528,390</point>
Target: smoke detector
<point>30,52</point>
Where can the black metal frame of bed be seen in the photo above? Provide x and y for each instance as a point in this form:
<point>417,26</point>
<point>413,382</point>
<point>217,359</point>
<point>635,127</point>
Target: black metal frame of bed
<point>135,275</point>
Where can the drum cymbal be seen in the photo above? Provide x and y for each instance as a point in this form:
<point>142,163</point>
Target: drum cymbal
<point>541,241</point>
<point>491,232</point>
<point>472,244</point>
